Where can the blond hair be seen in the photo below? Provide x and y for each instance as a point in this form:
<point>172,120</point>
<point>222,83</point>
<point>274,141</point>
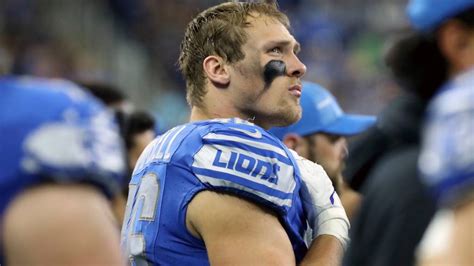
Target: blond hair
<point>219,30</point>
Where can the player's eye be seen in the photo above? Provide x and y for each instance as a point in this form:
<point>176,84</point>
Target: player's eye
<point>333,138</point>
<point>276,50</point>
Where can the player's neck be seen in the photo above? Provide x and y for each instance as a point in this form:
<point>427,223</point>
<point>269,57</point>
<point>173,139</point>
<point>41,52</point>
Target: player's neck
<point>199,113</point>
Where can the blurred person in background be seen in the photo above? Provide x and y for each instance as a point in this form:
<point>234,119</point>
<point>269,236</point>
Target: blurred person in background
<point>222,190</point>
<point>320,136</point>
<point>138,132</point>
<point>61,160</point>
<point>110,95</point>
<point>137,129</point>
<point>397,207</point>
<point>447,157</point>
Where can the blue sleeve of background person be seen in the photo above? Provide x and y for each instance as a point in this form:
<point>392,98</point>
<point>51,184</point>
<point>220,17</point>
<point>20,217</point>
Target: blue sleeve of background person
<point>228,155</point>
<point>53,131</point>
<point>447,160</point>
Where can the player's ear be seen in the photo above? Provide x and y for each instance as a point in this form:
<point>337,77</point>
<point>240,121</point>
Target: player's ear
<point>297,143</point>
<point>292,141</point>
<point>216,70</point>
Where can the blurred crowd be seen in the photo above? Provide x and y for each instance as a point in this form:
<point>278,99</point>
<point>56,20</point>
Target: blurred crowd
<point>134,45</point>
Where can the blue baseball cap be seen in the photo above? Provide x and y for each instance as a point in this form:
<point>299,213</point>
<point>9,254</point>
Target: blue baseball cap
<point>425,15</point>
<point>322,113</point>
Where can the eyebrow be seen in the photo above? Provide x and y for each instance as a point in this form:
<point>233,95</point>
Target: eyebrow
<point>296,48</point>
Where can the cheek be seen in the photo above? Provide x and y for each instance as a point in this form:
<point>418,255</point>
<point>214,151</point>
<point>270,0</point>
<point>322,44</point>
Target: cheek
<point>303,150</point>
<point>249,69</point>
<point>327,153</point>
<point>272,70</point>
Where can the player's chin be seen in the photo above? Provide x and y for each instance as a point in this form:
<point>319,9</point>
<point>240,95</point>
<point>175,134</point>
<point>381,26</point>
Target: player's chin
<point>289,116</point>
<point>294,118</point>
<point>296,112</point>
<point>342,166</point>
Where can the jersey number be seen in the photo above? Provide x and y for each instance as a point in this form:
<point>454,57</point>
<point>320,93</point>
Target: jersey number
<point>147,198</point>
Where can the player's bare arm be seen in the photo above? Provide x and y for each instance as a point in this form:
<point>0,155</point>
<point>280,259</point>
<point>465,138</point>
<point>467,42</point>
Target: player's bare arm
<point>228,224</point>
<point>463,243</point>
<point>325,250</point>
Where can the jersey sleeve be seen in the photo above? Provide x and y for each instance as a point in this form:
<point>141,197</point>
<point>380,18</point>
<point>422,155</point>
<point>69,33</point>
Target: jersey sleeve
<point>245,160</point>
<point>447,158</point>
<point>78,143</point>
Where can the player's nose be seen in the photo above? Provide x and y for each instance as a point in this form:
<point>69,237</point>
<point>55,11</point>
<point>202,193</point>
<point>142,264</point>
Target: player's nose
<point>344,148</point>
<point>296,68</point>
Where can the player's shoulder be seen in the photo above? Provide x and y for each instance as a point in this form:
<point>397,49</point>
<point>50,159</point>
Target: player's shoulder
<point>187,139</point>
<point>239,157</point>
<point>165,146</point>
<point>229,155</point>
<point>237,135</point>
<point>238,131</point>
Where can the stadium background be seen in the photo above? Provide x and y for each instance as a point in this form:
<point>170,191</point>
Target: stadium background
<point>134,44</point>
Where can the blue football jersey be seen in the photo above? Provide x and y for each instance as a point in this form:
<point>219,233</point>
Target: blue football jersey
<point>224,155</point>
<point>53,131</point>
<point>447,158</point>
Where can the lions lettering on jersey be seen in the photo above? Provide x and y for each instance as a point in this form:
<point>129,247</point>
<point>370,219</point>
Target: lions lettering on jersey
<point>226,155</point>
<point>247,165</point>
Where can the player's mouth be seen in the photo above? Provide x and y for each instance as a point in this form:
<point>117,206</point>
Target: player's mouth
<point>295,90</point>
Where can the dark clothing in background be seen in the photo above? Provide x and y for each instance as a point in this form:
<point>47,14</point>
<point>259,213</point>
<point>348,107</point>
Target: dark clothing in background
<point>398,126</point>
<point>396,208</point>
